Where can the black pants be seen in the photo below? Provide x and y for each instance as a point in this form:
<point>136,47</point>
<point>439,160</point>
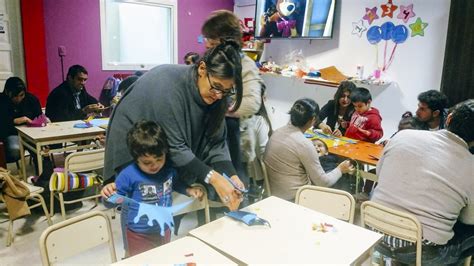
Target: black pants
<point>233,141</point>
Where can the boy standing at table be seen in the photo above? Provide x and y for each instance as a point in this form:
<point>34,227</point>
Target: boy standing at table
<point>366,122</point>
<point>149,179</point>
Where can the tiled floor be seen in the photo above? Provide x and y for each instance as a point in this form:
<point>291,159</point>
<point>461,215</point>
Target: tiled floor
<point>25,248</point>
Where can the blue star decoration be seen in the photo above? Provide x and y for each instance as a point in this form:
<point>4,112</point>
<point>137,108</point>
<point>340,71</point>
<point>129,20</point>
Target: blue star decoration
<point>358,28</point>
<point>418,28</point>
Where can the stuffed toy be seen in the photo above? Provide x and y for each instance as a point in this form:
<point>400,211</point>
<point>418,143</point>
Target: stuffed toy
<point>283,18</point>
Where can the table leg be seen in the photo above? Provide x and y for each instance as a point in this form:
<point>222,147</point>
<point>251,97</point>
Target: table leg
<point>39,158</point>
<point>22,158</point>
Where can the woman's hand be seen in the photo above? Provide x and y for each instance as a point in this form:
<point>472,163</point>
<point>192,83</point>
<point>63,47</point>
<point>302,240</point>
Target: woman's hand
<point>337,133</point>
<point>108,190</point>
<point>326,129</point>
<point>230,196</point>
<point>21,120</point>
<point>346,167</point>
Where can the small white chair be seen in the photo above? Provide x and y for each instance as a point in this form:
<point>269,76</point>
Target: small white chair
<point>83,161</point>
<point>393,223</point>
<point>333,202</point>
<point>76,235</point>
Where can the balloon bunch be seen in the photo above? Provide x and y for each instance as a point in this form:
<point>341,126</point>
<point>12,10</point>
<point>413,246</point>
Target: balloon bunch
<point>387,31</point>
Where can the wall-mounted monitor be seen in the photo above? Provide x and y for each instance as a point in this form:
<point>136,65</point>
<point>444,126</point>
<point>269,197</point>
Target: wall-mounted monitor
<point>312,19</point>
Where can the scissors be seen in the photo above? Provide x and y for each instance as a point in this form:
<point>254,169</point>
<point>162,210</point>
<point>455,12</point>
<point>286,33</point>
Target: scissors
<point>234,184</point>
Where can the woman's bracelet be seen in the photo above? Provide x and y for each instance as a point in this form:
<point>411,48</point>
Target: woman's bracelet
<point>207,180</point>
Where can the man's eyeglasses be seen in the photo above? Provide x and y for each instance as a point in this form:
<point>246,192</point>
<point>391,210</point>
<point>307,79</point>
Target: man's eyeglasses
<point>224,92</point>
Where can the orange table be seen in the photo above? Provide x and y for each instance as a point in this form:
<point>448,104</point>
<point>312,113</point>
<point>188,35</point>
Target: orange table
<point>364,152</point>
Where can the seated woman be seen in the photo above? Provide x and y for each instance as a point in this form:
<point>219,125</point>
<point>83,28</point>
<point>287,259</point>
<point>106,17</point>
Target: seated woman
<point>338,111</point>
<point>291,159</point>
<point>18,107</point>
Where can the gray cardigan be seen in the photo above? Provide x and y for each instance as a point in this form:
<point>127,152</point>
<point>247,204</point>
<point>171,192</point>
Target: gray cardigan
<point>168,95</point>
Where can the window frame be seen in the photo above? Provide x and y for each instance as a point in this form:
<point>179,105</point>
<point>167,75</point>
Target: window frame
<point>107,65</point>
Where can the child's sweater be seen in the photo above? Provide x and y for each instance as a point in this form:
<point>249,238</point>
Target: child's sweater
<point>369,120</point>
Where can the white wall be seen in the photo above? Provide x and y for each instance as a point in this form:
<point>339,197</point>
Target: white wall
<point>417,64</point>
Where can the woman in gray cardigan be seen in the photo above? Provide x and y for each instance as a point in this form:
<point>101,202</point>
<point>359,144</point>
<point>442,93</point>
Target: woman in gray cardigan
<point>292,160</point>
<point>189,103</point>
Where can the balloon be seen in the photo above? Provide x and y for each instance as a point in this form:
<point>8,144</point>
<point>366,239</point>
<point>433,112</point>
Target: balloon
<point>374,35</point>
<point>387,29</point>
<point>399,34</point>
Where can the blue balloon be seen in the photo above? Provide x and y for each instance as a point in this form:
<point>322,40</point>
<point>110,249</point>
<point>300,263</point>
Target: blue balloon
<point>399,34</point>
<point>387,29</point>
<point>374,35</point>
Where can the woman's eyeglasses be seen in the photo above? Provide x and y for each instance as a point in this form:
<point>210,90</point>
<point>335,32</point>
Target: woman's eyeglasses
<point>224,92</point>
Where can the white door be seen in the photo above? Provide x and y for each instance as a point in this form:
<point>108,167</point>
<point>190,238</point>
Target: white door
<point>9,15</point>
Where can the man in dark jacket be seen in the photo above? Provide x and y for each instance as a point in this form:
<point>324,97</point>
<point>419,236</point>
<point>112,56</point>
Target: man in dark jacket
<point>70,100</point>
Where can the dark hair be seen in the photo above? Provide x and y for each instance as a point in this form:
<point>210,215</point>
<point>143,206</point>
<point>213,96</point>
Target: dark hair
<point>435,100</point>
<point>75,70</point>
<point>222,25</point>
<point>146,138</point>
<point>194,57</point>
<point>14,86</point>
<point>341,89</point>
<point>360,94</point>
<point>410,122</point>
<point>462,120</point>
<point>127,82</point>
<point>224,62</point>
<point>302,111</point>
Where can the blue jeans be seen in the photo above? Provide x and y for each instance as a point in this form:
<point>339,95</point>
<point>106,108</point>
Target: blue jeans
<point>12,148</point>
<point>454,252</point>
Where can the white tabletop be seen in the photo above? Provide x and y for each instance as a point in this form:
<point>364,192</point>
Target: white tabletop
<point>184,250</point>
<point>291,238</point>
<point>58,130</point>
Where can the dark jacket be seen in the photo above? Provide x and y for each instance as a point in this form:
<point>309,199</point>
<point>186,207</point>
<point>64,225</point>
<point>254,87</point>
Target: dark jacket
<point>6,121</point>
<point>61,104</point>
<point>328,111</point>
<point>29,107</point>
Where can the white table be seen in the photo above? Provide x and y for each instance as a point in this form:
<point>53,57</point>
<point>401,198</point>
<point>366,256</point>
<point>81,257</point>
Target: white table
<point>184,250</point>
<point>34,138</point>
<point>291,238</point>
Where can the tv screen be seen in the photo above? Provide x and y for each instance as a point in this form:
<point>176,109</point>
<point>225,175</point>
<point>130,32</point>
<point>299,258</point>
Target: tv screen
<point>311,19</point>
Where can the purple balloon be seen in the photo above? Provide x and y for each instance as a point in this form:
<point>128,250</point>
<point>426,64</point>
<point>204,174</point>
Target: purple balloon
<point>387,29</point>
<point>374,34</point>
<point>399,34</point>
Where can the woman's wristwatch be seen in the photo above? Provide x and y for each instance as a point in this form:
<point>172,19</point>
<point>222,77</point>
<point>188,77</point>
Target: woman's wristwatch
<point>207,180</point>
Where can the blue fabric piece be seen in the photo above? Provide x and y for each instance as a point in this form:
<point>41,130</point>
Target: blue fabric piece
<point>163,216</point>
<point>247,217</point>
<point>82,125</point>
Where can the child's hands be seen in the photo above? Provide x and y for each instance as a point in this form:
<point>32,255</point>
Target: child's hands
<point>195,192</point>
<point>363,131</point>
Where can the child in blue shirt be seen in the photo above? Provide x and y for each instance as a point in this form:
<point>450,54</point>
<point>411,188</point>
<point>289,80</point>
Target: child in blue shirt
<point>150,179</point>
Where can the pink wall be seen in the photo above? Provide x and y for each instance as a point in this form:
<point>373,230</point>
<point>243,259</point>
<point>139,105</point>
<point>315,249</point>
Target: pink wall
<point>76,25</point>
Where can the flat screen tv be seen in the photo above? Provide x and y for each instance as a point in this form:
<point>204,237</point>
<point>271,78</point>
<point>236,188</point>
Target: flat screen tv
<point>311,19</point>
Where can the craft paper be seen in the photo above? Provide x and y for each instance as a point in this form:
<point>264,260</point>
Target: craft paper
<point>418,28</point>
<point>388,9</point>
<point>358,28</point>
<point>162,215</point>
<point>370,14</point>
<point>406,12</point>
<point>39,121</point>
<point>247,218</point>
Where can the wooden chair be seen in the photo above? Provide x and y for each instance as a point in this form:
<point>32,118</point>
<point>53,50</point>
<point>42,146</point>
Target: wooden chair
<point>83,161</point>
<point>333,202</point>
<point>393,223</point>
<point>76,235</point>
<point>266,182</point>
<point>35,195</point>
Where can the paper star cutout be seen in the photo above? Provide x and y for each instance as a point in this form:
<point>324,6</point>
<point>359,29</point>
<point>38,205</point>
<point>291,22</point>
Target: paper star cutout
<point>406,12</point>
<point>388,9</point>
<point>418,28</point>
<point>358,28</point>
<point>370,14</point>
